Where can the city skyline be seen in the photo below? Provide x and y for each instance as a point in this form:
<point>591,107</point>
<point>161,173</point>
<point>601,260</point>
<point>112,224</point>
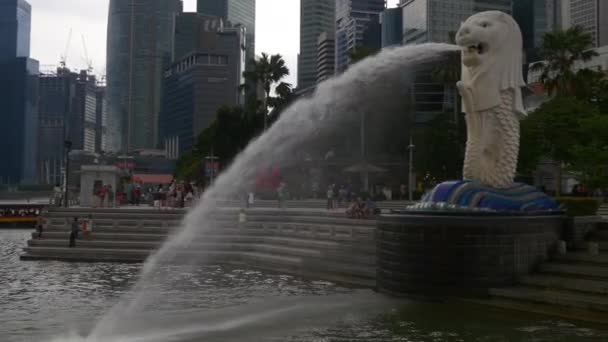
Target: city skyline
<point>53,19</point>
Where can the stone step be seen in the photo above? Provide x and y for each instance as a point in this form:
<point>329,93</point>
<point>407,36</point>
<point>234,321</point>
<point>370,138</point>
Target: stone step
<point>566,283</point>
<point>321,244</point>
<point>575,270</point>
<point>568,313</point>
<point>601,234</point>
<point>603,245</point>
<point>115,230</point>
<point>304,249</point>
<point>583,301</point>
<point>285,250</point>
<point>84,254</point>
<point>97,244</point>
<point>59,235</point>
<point>342,236</point>
<point>583,257</point>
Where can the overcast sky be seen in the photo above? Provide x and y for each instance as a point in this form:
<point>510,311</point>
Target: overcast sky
<point>53,19</point>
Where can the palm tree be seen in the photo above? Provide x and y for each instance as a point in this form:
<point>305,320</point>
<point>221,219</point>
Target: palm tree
<point>267,70</point>
<point>449,74</point>
<point>285,95</point>
<point>560,50</point>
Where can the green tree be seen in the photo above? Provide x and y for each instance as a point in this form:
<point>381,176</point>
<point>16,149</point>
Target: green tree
<point>266,72</point>
<point>589,156</point>
<point>439,148</point>
<point>559,130</point>
<point>560,51</point>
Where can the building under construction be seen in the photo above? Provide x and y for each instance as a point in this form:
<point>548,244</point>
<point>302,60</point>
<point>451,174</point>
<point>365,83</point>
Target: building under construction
<point>71,108</point>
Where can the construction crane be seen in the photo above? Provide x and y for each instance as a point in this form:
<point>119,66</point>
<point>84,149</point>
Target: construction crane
<point>64,58</point>
<point>88,61</point>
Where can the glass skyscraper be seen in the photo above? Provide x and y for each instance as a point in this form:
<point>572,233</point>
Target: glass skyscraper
<point>316,17</point>
<point>139,47</point>
<point>352,19</point>
<point>434,20</point>
<point>18,95</point>
<point>236,12</point>
<point>391,21</point>
<point>536,18</point>
<point>15,23</point>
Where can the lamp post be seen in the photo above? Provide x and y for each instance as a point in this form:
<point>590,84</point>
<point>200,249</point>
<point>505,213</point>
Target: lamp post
<point>67,148</point>
<point>411,148</point>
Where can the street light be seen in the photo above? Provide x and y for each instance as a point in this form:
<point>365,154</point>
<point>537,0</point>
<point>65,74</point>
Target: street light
<point>67,148</point>
<point>411,148</point>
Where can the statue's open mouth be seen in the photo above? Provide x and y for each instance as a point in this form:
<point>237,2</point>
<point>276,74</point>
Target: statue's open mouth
<point>480,48</point>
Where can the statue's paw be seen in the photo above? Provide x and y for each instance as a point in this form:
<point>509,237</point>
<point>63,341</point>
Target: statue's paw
<point>461,87</point>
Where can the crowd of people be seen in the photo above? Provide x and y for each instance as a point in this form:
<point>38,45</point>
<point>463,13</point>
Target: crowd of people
<point>175,195</point>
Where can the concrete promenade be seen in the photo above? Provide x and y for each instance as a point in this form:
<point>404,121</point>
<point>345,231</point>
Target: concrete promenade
<point>321,244</point>
<point>309,242</point>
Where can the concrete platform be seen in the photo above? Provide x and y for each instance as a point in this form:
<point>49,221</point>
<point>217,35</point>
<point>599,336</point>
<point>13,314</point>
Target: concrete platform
<point>307,242</point>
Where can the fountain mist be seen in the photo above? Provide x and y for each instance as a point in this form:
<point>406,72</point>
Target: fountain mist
<point>376,85</point>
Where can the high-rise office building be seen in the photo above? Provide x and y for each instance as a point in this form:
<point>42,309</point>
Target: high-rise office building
<point>15,26</point>
<point>199,84</point>
<point>101,120</point>
<point>535,18</point>
<point>352,19</point>
<point>68,112</point>
<point>235,12</point>
<point>139,47</point>
<point>326,56</point>
<point>18,95</point>
<point>591,15</point>
<point>493,5</point>
<point>391,21</point>
<point>194,31</point>
<point>316,16</point>
<point>435,20</point>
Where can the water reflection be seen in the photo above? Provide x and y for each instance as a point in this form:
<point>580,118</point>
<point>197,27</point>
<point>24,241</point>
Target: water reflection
<point>40,300</point>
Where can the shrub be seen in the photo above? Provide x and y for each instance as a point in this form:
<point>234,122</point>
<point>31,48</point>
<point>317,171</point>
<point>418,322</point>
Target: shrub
<point>579,206</point>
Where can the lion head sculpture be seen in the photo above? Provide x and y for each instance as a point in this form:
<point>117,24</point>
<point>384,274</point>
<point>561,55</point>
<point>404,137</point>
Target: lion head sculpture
<point>492,59</point>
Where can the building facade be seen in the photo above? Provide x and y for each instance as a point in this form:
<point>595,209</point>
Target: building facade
<point>326,56</point>
<point>352,19</point>
<point>535,18</point>
<point>18,95</point>
<point>198,85</point>
<point>15,27</point>
<point>193,31</point>
<point>436,20</point>
<point>591,15</point>
<point>68,112</point>
<point>101,120</point>
<point>316,17</point>
<point>234,12</point>
<point>139,48</point>
<point>391,22</point>
<point>19,117</point>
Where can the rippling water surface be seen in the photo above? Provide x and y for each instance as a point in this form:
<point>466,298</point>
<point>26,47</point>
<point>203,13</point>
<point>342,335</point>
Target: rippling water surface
<point>50,301</point>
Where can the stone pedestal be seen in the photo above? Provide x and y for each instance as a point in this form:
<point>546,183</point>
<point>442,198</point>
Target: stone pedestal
<point>461,254</point>
<point>95,175</point>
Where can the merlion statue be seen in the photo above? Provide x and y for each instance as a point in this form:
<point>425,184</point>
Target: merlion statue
<point>492,79</point>
<point>491,85</point>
